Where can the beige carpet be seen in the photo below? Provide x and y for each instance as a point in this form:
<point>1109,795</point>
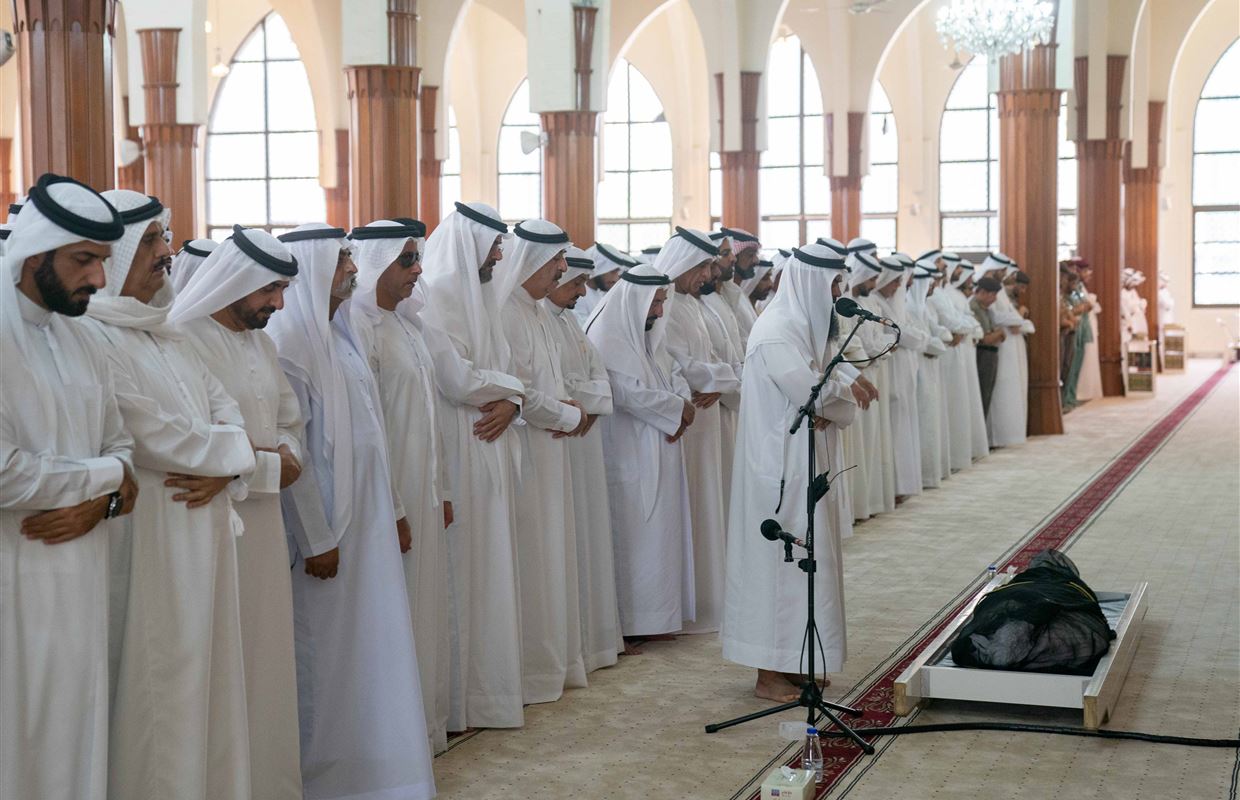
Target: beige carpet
<point>637,730</point>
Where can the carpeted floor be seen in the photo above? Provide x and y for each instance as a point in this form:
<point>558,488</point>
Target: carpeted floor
<point>1168,515</point>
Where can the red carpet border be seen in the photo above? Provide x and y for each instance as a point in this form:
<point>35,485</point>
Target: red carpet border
<point>839,755</point>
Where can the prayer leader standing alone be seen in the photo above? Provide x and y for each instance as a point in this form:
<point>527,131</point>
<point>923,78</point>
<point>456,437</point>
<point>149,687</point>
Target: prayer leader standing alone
<point>765,608</point>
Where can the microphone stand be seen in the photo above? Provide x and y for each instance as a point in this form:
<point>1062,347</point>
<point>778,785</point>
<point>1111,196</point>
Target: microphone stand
<point>811,697</point>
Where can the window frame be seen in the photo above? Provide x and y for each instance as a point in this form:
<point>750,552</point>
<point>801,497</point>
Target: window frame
<point>499,167</point>
<point>992,192</point>
<point>1196,209</point>
<point>259,29</point>
<point>893,215</point>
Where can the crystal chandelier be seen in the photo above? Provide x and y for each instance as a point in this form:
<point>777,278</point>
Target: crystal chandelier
<point>995,28</point>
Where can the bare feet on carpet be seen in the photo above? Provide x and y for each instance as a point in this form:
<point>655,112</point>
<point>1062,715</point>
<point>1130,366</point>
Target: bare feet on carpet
<point>799,680</point>
<point>631,646</point>
<point>774,686</point>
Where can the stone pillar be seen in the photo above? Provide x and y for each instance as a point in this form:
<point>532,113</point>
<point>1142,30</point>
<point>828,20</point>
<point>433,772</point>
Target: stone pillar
<point>429,166</point>
<point>170,160</point>
<point>338,196</point>
<point>1028,214</point>
<point>846,189</point>
<point>8,192</point>
<point>383,125</point>
<point>132,177</point>
<point>568,172</point>
<point>1099,233</point>
<point>740,167</point>
<point>64,60</point>
<point>1141,216</point>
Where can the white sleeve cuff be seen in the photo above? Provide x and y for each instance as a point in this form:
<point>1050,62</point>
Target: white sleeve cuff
<point>105,475</point>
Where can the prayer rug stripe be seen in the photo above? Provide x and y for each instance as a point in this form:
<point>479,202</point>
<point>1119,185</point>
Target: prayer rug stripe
<point>1060,526</point>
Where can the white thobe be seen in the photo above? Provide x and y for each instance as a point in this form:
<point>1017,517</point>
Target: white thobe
<point>688,342</point>
<point>546,526</point>
<point>54,598</point>
<point>404,372</point>
<point>905,433</point>
<point>1009,402</point>
<point>765,612</point>
<point>967,418</point>
<point>727,346</point>
<point>853,470</point>
<point>875,421</point>
<point>585,305</point>
<point>650,520</point>
<point>930,409</point>
<point>486,652</point>
<point>363,730</point>
<point>245,362</point>
<point>179,724</point>
<point>585,378</point>
<point>746,316</point>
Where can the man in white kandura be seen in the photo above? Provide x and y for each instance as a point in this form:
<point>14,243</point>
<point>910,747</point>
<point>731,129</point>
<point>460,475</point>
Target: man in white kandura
<point>222,311</point>
<point>726,342</point>
<point>546,525</point>
<point>384,314</point>
<point>890,294</point>
<point>687,259</point>
<point>874,423</point>
<point>1009,402</point>
<point>608,264</point>
<point>462,314</point>
<point>187,261</point>
<point>645,467</point>
<point>745,247</point>
<point>930,412</point>
<point>176,626</point>
<point>67,473</point>
<point>765,613</point>
<point>585,378</point>
<point>965,416</point>
<point>363,730</point>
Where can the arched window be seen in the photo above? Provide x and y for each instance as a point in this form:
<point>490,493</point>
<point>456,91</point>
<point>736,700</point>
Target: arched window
<point>1067,185</point>
<point>1216,186</point>
<point>520,173</point>
<point>450,172</point>
<point>262,159</point>
<point>969,164</point>
<point>880,189</point>
<point>794,192</point>
<point>635,196</point>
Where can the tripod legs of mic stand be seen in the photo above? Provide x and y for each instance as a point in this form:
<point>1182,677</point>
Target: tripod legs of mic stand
<point>811,699</point>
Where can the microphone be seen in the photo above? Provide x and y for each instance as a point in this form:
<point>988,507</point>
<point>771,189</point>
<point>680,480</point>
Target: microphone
<point>772,532</point>
<point>848,307</point>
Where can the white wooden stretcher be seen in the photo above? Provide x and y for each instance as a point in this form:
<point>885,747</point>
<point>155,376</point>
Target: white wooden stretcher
<point>933,675</point>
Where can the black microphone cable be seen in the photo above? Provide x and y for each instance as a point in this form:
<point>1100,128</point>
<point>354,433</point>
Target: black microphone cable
<point>1058,730</point>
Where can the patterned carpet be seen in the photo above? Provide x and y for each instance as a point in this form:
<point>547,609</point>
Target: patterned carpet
<point>1169,518</point>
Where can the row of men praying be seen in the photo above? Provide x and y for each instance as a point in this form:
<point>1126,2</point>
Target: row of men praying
<point>480,494</point>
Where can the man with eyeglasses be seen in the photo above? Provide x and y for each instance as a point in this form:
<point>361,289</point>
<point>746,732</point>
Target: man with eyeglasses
<point>384,314</point>
<point>179,715</point>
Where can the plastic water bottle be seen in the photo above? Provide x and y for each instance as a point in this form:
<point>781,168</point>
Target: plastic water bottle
<point>991,572</point>
<point>811,754</point>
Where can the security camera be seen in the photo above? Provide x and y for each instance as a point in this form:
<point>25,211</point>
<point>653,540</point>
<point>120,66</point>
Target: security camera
<point>7,47</point>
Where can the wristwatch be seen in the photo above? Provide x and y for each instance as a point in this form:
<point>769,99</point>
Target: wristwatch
<point>114,506</point>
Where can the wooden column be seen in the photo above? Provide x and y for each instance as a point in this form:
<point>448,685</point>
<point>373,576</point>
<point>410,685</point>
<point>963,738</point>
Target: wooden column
<point>568,172</point>
<point>8,192</point>
<point>64,60</point>
<point>338,196</point>
<point>1028,214</point>
<point>383,125</point>
<point>740,167</point>
<point>428,166</point>
<point>170,160</point>
<point>1099,233</point>
<point>1141,216</point>
<point>846,189</point>
<point>132,177</point>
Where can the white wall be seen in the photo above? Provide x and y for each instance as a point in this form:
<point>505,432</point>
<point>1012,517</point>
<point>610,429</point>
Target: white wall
<point>1213,33</point>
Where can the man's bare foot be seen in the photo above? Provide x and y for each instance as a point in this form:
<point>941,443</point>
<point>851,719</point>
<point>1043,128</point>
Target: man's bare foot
<point>631,647</point>
<point>799,680</point>
<point>774,686</point>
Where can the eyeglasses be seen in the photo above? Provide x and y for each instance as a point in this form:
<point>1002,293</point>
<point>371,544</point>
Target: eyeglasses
<point>407,260</point>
